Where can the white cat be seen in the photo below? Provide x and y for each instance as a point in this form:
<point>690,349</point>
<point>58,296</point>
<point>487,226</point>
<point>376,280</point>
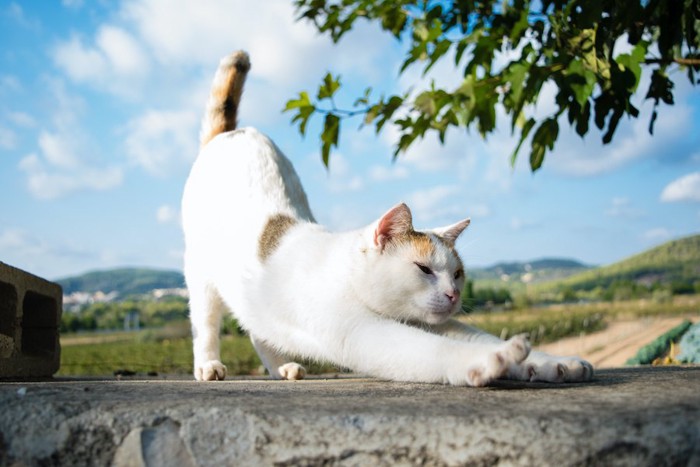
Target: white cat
<point>377,300</point>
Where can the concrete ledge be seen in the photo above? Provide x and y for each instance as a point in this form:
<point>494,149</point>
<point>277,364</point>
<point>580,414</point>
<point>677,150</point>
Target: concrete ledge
<point>639,416</point>
<point>30,315</point>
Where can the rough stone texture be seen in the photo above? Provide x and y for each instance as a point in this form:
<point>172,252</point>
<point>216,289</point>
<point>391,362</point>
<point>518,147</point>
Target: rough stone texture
<point>635,417</point>
<point>30,314</point>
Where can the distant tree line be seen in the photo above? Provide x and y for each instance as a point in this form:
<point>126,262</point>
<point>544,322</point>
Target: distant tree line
<point>484,297</point>
<point>476,298</point>
<point>620,290</point>
<point>113,315</point>
<point>148,313</point>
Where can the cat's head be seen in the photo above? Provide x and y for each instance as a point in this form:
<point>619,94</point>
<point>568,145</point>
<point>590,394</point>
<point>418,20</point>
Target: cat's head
<point>411,275</point>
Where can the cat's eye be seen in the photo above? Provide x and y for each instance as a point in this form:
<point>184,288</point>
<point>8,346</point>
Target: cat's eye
<point>458,273</point>
<point>425,269</point>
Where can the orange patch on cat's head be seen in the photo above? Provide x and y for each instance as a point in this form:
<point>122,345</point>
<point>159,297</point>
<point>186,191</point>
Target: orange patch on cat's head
<point>422,244</point>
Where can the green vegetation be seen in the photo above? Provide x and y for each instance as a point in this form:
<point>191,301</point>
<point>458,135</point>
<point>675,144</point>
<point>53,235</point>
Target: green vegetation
<point>503,55</point>
<point>155,352</point>
<point>550,323</point>
<point>659,346</point>
<point>484,297</point>
<point>161,351</point>
<point>169,350</point>
<point>669,269</point>
<point>112,315</point>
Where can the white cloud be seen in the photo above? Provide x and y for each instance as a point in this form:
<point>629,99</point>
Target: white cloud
<point>622,207</point>
<point>166,214</point>
<point>430,155</point>
<point>380,173</point>
<point>340,176</point>
<point>685,188</point>
<point>44,181</point>
<point>13,239</point>
<point>80,63</point>
<point>21,119</point>
<point>15,12</point>
<point>517,223</point>
<point>439,203</point>
<point>8,138</point>
<point>9,83</point>
<point>66,158</point>
<point>656,235</point>
<point>282,50</point>
<point>72,3</point>
<point>158,140</point>
<point>115,63</point>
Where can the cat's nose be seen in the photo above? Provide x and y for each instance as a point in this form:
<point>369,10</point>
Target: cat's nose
<point>453,296</point>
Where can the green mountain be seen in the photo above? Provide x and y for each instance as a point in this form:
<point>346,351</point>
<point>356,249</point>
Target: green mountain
<point>125,281</point>
<point>677,261</point>
<point>540,270</point>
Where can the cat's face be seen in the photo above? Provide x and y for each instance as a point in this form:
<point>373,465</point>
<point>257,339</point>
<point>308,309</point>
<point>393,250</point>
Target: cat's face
<point>413,276</point>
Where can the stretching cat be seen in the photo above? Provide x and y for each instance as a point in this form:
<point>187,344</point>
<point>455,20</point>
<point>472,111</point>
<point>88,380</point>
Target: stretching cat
<point>376,300</point>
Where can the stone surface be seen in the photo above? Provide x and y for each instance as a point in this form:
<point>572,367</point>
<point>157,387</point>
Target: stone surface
<point>636,417</point>
<point>30,314</point>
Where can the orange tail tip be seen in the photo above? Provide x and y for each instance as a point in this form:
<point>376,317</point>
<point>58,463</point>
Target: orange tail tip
<point>226,90</point>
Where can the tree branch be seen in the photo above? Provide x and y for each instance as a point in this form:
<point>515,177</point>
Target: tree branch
<point>679,61</point>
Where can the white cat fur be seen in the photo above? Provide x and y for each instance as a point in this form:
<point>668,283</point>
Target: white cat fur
<point>377,300</point>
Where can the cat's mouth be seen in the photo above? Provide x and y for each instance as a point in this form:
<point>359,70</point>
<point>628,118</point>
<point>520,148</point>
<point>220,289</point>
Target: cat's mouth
<point>439,316</point>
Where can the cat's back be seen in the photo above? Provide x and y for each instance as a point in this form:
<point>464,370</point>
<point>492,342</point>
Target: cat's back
<point>242,176</point>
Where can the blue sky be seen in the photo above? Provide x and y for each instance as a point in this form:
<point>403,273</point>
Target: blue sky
<point>100,104</point>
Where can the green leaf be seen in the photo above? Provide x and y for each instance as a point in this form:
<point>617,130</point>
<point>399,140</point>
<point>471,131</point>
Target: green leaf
<point>425,103</point>
<point>328,87</point>
<point>634,61</point>
<point>304,109</point>
<point>440,49</point>
<point>303,101</point>
<point>527,127</point>
<point>543,139</point>
<point>387,110</point>
<point>364,100</point>
<point>582,81</point>
<point>583,119</point>
<point>329,137</point>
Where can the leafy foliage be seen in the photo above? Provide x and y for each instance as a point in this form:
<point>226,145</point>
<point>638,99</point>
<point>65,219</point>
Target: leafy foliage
<point>506,52</point>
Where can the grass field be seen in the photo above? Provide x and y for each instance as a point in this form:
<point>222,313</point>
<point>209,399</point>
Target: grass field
<point>169,350</point>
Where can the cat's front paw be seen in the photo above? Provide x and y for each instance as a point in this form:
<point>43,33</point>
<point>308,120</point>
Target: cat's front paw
<point>560,370</point>
<point>291,371</point>
<point>212,370</point>
<point>512,352</point>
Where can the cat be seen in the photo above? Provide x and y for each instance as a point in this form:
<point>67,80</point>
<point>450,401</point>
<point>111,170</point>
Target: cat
<point>377,300</point>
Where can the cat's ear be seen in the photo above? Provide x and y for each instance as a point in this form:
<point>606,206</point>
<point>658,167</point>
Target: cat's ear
<point>450,233</point>
<point>396,222</point>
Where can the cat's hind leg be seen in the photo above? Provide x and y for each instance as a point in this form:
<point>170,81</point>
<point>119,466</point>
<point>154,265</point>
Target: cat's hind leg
<point>206,310</point>
<point>278,365</point>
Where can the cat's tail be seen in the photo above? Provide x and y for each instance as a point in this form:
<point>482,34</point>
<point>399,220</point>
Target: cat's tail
<point>222,108</point>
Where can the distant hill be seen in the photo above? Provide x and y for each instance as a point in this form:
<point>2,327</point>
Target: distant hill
<point>674,261</point>
<point>535,271</point>
<point>125,281</point>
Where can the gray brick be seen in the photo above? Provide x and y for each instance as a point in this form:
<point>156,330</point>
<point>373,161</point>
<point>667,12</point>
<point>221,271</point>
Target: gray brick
<point>30,315</point>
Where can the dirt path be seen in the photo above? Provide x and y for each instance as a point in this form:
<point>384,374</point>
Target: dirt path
<point>618,342</point>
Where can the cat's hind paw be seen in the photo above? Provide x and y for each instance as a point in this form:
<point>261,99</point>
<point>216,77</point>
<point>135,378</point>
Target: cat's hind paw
<point>292,371</point>
<point>512,352</point>
<point>212,370</point>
